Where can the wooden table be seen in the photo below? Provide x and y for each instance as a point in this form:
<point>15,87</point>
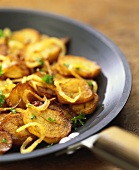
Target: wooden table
<point>117,19</point>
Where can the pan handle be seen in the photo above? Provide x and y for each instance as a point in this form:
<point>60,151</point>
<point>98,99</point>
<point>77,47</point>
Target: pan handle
<point>117,146</point>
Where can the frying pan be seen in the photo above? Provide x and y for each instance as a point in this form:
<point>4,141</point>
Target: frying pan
<point>114,80</point>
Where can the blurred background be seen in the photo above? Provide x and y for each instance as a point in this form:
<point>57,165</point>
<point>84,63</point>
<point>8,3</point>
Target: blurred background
<point>118,20</point>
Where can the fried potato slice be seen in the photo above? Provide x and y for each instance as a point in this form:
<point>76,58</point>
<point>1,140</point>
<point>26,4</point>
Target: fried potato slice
<point>13,67</point>
<point>54,122</point>
<point>86,108</point>
<point>80,65</point>
<point>15,47</point>
<point>43,91</point>
<point>11,123</point>
<point>2,115</point>
<point>45,49</point>
<point>73,88</point>
<point>68,113</point>
<point>5,142</point>
<point>17,70</point>
<point>16,97</point>
<point>26,35</point>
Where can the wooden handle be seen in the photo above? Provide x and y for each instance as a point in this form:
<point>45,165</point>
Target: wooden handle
<point>118,146</point>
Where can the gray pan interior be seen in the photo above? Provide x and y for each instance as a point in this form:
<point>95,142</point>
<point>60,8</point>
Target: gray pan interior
<point>114,81</point>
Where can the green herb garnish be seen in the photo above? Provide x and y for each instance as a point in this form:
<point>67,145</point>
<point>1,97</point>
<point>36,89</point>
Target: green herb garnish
<point>41,61</point>
<point>6,32</point>
<point>77,68</point>
<point>2,99</point>
<point>48,79</point>
<point>29,105</point>
<point>13,110</point>
<point>66,65</point>
<point>1,33</point>
<point>33,116</point>
<point>1,72</point>
<point>51,119</point>
<point>71,95</point>
<point>90,84</point>
<point>78,120</point>
<point>3,140</point>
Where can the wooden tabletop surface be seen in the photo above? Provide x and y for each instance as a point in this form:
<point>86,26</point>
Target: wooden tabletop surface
<point>118,20</point>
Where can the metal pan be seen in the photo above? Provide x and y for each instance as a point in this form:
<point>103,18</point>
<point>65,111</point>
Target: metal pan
<point>114,81</point>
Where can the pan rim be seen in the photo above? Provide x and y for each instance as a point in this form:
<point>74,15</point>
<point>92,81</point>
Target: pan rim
<point>124,96</point>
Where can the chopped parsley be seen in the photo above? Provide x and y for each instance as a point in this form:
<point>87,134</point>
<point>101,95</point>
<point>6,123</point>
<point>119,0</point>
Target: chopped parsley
<point>1,72</point>
<point>48,78</point>
<point>2,99</point>
<point>71,95</point>
<point>90,84</point>
<point>78,120</point>
<point>6,32</point>
<point>29,105</point>
<point>40,61</point>
<point>13,110</point>
<point>3,140</point>
<point>33,116</point>
<point>1,33</point>
<point>66,65</point>
<point>51,119</point>
<point>77,68</point>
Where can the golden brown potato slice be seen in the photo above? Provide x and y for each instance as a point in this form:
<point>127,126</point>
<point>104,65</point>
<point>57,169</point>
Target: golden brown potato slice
<point>45,49</point>
<point>86,108</point>
<point>16,97</point>
<point>5,142</point>
<point>18,70</point>
<point>13,67</point>
<point>80,65</point>
<point>73,90</point>
<point>11,123</point>
<point>2,115</point>
<point>51,53</point>
<point>54,122</point>
<point>68,113</point>
<point>15,47</point>
<point>26,35</point>
<point>43,91</point>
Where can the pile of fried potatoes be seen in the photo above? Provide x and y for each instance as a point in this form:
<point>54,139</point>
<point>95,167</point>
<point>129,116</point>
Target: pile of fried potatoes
<point>41,89</point>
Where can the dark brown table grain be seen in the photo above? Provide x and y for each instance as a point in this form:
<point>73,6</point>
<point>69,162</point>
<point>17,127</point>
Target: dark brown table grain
<point>118,20</point>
